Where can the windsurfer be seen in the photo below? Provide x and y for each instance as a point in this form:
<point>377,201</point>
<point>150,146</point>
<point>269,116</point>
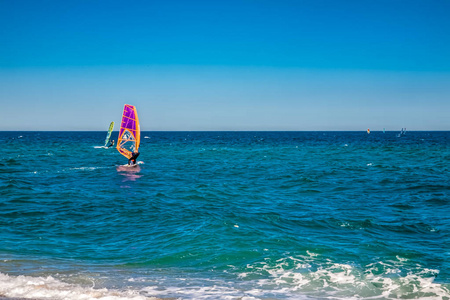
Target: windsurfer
<point>134,156</point>
<point>111,143</point>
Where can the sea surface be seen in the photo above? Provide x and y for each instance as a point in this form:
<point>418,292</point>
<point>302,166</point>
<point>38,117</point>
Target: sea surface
<point>226,215</point>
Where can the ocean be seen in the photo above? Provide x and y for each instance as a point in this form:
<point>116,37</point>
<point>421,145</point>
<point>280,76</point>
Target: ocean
<point>226,215</point>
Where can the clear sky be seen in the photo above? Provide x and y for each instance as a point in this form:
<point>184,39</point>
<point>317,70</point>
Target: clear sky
<point>226,65</point>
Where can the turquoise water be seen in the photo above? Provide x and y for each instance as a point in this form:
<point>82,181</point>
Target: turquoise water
<point>226,215</point>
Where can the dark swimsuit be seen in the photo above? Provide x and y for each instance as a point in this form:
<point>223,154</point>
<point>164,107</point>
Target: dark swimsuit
<point>133,158</point>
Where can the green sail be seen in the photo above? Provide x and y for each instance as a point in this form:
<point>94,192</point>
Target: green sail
<point>108,135</point>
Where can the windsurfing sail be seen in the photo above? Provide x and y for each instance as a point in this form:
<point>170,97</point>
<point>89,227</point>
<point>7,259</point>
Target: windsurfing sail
<point>368,131</point>
<point>108,135</point>
<point>130,132</point>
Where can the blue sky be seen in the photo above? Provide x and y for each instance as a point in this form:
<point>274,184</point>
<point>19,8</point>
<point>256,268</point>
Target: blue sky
<point>225,65</point>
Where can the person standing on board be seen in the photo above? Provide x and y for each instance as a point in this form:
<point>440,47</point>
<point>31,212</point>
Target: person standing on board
<point>111,143</point>
<point>134,156</point>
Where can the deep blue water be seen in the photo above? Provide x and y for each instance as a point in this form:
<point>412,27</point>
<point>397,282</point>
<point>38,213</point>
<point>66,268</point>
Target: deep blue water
<point>226,215</point>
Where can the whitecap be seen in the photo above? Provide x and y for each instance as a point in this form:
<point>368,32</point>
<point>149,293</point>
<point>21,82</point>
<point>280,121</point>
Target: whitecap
<point>400,258</point>
<point>311,254</point>
<point>50,288</point>
<point>290,275</point>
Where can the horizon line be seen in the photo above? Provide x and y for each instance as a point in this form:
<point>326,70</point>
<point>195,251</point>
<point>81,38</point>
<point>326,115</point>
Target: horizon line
<point>443,130</point>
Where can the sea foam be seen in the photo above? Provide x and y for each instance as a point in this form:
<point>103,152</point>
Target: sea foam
<point>51,288</point>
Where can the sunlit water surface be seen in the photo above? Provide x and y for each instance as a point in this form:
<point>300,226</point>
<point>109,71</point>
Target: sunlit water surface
<point>226,215</point>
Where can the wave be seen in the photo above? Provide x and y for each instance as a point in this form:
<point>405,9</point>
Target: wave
<point>307,276</point>
<point>50,288</point>
<point>325,279</point>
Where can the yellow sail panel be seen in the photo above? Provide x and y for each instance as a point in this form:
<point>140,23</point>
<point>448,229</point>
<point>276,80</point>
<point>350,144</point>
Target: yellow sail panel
<point>130,132</point>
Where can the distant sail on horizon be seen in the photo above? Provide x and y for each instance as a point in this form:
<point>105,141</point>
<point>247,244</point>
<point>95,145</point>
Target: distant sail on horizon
<point>108,135</point>
<point>130,132</point>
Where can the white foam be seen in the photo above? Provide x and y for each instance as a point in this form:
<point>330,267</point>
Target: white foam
<point>85,168</point>
<point>51,288</point>
<point>317,277</point>
<point>308,276</point>
<point>311,254</point>
<point>401,259</point>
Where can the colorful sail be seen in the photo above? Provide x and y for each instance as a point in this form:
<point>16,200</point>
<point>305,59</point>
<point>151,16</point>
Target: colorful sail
<point>130,132</point>
<point>108,135</point>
